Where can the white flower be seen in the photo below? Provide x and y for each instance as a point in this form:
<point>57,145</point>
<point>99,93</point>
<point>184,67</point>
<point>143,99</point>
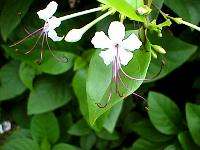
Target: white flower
<point>117,47</point>
<point>51,22</point>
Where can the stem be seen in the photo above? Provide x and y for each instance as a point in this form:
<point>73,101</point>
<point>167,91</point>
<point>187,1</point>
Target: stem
<point>190,25</point>
<point>79,13</point>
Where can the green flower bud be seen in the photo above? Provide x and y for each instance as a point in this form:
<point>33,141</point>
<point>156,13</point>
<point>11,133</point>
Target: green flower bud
<point>144,10</point>
<point>153,53</point>
<point>158,49</point>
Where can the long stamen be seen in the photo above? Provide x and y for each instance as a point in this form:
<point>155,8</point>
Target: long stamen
<point>110,92</point>
<point>62,60</point>
<point>34,44</point>
<point>141,79</point>
<point>41,50</point>
<point>116,71</point>
<point>31,34</point>
<point>137,95</point>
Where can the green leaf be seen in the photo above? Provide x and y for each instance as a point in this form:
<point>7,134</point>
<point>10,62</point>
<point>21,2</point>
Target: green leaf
<point>147,131</point>
<point>174,47</point>
<point>27,74</point>
<point>45,145</point>
<point>80,128</point>
<point>164,114</point>
<point>79,63</point>
<point>79,86</point>
<point>142,144</point>
<point>10,17</point>
<point>180,8</point>
<point>19,134</point>
<point>49,93</point>
<point>193,121</point>
<point>186,141</point>
<point>10,83</point>
<point>112,117</point>
<point>126,7</point>
<point>175,146</point>
<point>63,146</point>
<point>108,136</point>
<point>21,144</point>
<point>45,126</point>
<point>154,13</point>
<point>49,64</point>
<point>187,9</point>
<point>88,141</point>
<point>99,80</point>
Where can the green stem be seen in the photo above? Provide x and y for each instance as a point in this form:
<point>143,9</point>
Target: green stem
<point>190,25</point>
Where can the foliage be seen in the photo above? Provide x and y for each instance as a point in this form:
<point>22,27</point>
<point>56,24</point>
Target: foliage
<point>52,105</point>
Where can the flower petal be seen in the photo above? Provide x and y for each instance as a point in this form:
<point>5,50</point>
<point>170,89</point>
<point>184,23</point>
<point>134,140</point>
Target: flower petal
<point>48,12</point>
<point>107,56</point>
<point>53,35</point>
<point>53,23</point>
<point>125,56</point>
<point>132,43</point>
<point>116,32</point>
<point>100,40</point>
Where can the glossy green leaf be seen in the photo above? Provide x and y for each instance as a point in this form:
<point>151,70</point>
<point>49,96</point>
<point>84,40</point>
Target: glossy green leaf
<point>147,131</point>
<point>21,144</point>
<point>88,141</point>
<point>99,80</point>
<point>11,15</point>
<point>175,146</point>
<point>154,13</point>
<point>79,63</point>
<point>10,83</point>
<point>80,128</point>
<point>27,74</point>
<point>45,126</point>
<point>187,9</point>
<point>129,7</point>
<point>79,86</point>
<point>45,145</point>
<point>193,121</point>
<point>63,146</point>
<point>108,136</point>
<point>112,117</point>
<point>19,134</point>
<point>174,47</point>
<point>49,64</point>
<point>164,114</point>
<point>186,141</point>
<point>142,144</point>
<point>48,94</point>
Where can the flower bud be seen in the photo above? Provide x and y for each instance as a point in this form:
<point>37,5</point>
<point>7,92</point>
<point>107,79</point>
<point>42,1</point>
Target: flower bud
<point>74,35</point>
<point>158,49</point>
<point>144,10</point>
<point>153,53</point>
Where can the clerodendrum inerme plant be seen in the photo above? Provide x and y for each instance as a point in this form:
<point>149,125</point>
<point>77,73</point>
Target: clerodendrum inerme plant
<point>117,51</point>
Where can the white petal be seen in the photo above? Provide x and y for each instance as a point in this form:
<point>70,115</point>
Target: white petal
<point>48,12</point>
<point>125,56</point>
<point>116,32</point>
<point>131,43</point>
<point>1,129</point>
<point>53,35</point>
<point>100,40</point>
<point>53,23</point>
<point>107,56</point>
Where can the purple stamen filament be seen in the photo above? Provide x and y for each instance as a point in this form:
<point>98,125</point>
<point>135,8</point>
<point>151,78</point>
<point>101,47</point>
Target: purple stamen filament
<point>42,31</point>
